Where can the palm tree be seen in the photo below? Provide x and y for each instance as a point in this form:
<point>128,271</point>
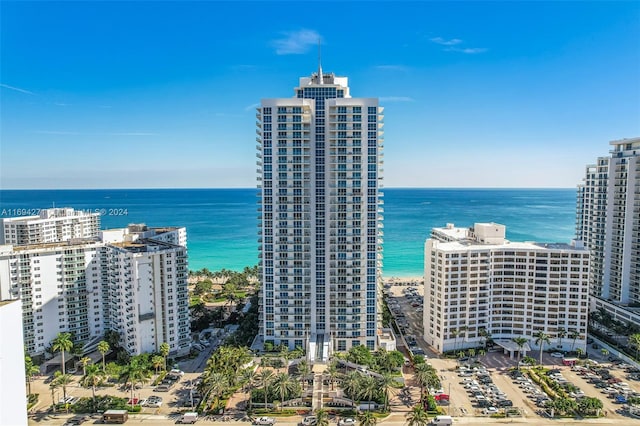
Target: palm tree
<point>417,416</point>
<point>573,335</point>
<point>157,361</point>
<point>164,351</point>
<point>387,384</point>
<point>216,384</point>
<point>248,379</point>
<point>604,352</point>
<point>579,351</point>
<point>541,338</point>
<point>283,385</point>
<point>322,417</point>
<point>561,334</point>
<point>92,378</point>
<point>84,362</point>
<point>485,337</point>
<point>367,418</point>
<point>520,341</point>
<point>303,372</point>
<point>264,380</point>
<point>103,348</point>
<point>62,343</point>
<point>53,386</point>
<point>63,380</point>
<point>332,373</point>
<point>455,333</point>
<point>634,341</point>
<point>29,370</point>
<point>133,373</point>
<point>351,385</point>
<point>368,388</point>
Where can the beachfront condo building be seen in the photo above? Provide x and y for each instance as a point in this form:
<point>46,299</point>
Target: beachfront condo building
<point>48,225</point>
<point>131,280</point>
<point>608,223</point>
<point>480,285</point>
<point>320,218</point>
<point>13,408</point>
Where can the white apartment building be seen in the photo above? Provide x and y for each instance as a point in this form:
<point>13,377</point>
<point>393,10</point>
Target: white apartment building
<point>476,280</point>
<point>125,281</point>
<point>13,392</point>
<point>320,220</point>
<point>608,223</point>
<point>48,226</point>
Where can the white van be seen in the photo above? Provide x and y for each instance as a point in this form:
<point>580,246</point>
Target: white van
<point>189,418</point>
<point>442,421</point>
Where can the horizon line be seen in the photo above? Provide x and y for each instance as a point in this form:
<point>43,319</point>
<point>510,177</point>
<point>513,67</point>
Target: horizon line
<point>235,188</point>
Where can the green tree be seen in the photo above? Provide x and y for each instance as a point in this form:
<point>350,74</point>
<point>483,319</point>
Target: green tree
<point>264,380</point>
<point>360,355</point>
<point>157,361</point>
<point>634,341</point>
<point>103,348</point>
<point>589,405</point>
<point>417,416</point>
<point>248,379</point>
<point>62,343</point>
<point>322,417</point>
<point>164,351</point>
<point>92,377</point>
<point>573,335</point>
<point>520,341</point>
<point>216,384</point>
<point>84,362</point>
<point>283,385</point>
<point>53,386</point>
<point>351,385</point>
<point>30,370</point>
<point>332,373</point>
<point>368,388</point>
<point>132,374</point>
<point>604,352</point>
<point>367,418</point>
<point>63,380</point>
<point>387,384</point>
<point>561,333</point>
<point>304,370</point>
<point>541,338</point>
<point>203,287</point>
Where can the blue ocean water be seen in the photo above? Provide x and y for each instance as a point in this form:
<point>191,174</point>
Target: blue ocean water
<point>222,223</point>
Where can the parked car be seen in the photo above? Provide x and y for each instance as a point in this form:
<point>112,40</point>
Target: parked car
<point>557,354</point>
<point>490,410</point>
<point>309,421</point>
<point>347,422</point>
<point>264,421</point>
<point>162,388</point>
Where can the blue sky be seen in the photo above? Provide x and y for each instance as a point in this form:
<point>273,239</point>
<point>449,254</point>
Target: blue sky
<point>162,94</point>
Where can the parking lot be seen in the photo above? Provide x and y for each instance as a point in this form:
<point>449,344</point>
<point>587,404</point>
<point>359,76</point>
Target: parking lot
<point>404,300</point>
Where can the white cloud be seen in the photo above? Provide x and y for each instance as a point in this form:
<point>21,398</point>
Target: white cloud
<point>467,50</point>
<point>445,42</point>
<point>251,107</point>
<point>296,42</point>
<point>396,99</point>
<point>17,89</point>
<point>391,67</point>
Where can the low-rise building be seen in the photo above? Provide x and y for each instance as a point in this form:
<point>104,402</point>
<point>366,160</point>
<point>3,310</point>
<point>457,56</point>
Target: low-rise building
<point>131,280</point>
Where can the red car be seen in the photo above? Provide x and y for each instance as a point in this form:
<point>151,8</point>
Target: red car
<point>442,397</point>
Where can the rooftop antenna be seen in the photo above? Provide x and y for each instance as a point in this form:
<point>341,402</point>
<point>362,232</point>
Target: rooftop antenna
<point>320,77</point>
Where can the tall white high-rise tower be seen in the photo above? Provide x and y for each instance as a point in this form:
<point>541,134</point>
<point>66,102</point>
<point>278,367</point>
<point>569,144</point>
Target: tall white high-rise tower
<point>320,221</point>
<point>608,223</point>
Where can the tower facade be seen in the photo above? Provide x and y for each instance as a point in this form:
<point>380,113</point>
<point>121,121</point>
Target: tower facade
<point>478,284</point>
<point>320,222</point>
<point>608,223</point>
